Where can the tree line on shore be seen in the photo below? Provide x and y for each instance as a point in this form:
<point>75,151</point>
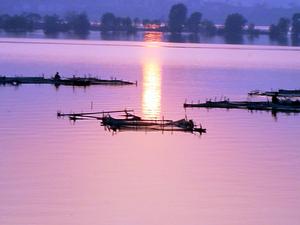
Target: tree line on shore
<point>178,21</point>
<point>77,22</point>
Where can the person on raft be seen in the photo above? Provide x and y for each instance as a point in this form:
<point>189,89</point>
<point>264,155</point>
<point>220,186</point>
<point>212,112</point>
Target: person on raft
<point>275,99</point>
<point>57,76</point>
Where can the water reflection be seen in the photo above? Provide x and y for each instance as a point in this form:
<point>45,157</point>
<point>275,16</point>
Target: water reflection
<point>151,100</point>
<point>224,178</point>
<point>295,40</point>
<point>153,36</point>
<point>282,41</point>
<point>234,39</point>
<point>194,38</point>
<point>176,38</point>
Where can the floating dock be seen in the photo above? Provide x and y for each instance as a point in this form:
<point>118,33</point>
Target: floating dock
<point>280,93</point>
<point>74,81</point>
<point>133,122</point>
<point>284,106</point>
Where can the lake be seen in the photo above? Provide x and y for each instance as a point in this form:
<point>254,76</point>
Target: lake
<point>244,170</point>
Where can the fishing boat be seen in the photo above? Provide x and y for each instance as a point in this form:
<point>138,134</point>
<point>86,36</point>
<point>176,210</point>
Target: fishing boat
<point>134,122</point>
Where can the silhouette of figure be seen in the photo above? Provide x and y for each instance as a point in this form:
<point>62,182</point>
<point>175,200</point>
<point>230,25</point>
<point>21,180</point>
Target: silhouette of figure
<point>275,99</point>
<point>57,76</point>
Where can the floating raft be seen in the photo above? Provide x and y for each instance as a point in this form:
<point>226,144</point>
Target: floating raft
<point>279,93</point>
<point>135,123</point>
<point>74,81</point>
<point>284,106</point>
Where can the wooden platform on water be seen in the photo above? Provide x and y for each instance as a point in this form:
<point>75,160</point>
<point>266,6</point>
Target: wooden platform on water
<point>287,107</point>
<point>132,122</point>
<point>74,81</point>
<point>280,93</point>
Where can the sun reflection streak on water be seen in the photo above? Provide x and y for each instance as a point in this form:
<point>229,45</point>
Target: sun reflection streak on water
<point>153,37</point>
<point>151,100</point>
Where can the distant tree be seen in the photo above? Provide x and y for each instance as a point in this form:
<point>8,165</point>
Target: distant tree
<point>34,17</point>
<point>136,21</point>
<point>208,27</point>
<point>176,37</point>
<point>281,29</point>
<point>295,40</point>
<point>82,24</point>
<point>234,24</point>
<point>16,23</point>
<point>193,22</point>
<point>194,38</point>
<point>22,22</point>
<point>283,26</point>
<point>123,24</point>
<point>118,23</point>
<point>52,24</point>
<point>3,19</point>
<point>34,20</point>
<point>177,18</point>
<point>68,20</point>
<point>296,24</point>
<point>79,23</point>
<point>108,22</point>
<point>252,30</point>
<point>234,39</point>
<point>146,21</point>
<point>273,29</point>
<point>127,23</point>
<point>156,22</point>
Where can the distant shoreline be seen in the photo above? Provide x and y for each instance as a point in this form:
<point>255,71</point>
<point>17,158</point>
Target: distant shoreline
<point>152,36</point>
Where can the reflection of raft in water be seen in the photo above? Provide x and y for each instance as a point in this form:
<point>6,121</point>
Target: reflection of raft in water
<point>282,106</point>
<point>74,81</point>
<point>136,123</point>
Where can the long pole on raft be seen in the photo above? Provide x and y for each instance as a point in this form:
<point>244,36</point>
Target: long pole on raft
<point>92,113</point>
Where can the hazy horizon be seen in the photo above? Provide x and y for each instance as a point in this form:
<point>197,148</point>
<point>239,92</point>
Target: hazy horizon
<point>215,10</point>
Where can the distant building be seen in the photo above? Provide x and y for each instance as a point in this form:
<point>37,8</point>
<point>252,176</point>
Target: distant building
<point>153,26</point>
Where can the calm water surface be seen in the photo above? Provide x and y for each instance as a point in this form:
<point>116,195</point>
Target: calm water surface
<point>245,170</point>
<point>262,39</point>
